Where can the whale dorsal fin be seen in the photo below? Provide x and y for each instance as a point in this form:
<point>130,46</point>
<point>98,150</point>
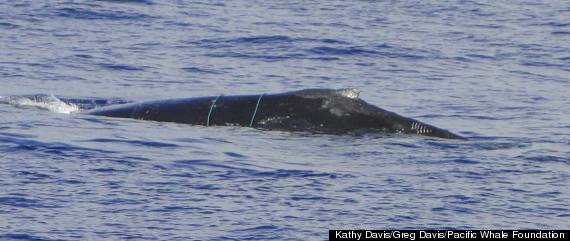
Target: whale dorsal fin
<point>350,93</point>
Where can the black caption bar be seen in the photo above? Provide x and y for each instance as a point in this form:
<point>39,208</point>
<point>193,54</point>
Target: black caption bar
<point>401,235</point>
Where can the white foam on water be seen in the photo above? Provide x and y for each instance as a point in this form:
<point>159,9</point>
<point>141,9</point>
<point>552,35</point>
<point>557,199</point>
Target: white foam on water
<point>47,102</point>
<point>349,93</point>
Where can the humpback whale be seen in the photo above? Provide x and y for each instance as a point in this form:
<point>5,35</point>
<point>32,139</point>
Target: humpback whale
<point>312,110</point>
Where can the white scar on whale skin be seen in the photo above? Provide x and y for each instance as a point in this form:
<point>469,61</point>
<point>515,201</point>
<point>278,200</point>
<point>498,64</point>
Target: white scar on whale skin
<point>419,128</point>
<point>328,105</point>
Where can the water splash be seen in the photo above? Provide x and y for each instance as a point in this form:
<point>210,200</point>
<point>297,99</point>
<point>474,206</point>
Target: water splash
<point>46,102</point>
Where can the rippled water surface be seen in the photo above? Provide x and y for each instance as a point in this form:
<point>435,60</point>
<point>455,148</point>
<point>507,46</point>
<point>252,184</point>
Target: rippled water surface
<point>497,72</point>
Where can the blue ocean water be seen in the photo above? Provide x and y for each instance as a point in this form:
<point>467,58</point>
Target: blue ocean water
<point>497,72</point>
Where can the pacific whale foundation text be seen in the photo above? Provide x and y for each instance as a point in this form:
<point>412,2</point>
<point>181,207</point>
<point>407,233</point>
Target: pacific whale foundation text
<point>448,234</point>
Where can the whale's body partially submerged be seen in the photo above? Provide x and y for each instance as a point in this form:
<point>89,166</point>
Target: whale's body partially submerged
<point>318,110</point>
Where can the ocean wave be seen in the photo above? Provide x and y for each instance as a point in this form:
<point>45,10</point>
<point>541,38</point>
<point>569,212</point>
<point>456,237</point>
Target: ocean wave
<point>100,14</point>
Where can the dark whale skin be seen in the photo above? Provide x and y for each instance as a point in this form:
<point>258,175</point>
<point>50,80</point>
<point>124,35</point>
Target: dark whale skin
<point>316,110</point>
